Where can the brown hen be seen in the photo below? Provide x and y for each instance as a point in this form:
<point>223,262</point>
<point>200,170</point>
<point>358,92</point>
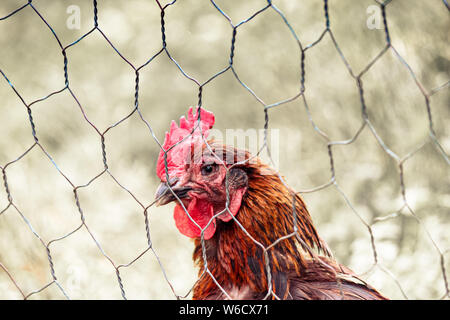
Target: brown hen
<point>258,237</point>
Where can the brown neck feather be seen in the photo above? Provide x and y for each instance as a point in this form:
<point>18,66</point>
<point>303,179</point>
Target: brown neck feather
<point>268,212</point>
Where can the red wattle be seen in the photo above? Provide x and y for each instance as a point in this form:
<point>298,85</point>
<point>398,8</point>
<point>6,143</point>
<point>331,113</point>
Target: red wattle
<point>201,212</point>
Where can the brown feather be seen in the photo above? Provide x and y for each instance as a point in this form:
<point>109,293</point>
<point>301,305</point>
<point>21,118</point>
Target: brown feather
<point>301,266</point>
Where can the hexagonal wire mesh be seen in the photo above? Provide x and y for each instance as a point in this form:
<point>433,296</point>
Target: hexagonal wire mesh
<point>365,125</point>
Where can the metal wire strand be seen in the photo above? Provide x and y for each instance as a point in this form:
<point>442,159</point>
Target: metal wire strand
<point>300,96</point>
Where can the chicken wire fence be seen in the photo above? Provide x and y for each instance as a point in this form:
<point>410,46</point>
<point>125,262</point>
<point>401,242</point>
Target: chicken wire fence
<point>234,28</point>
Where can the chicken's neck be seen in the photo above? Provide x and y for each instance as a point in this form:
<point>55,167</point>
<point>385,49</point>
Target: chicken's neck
<point>236,256</point>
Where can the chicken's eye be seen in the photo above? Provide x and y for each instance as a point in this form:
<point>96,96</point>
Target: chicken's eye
<point>208,169</point>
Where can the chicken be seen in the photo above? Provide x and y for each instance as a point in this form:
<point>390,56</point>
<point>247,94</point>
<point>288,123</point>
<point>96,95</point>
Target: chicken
<point>243,219</point>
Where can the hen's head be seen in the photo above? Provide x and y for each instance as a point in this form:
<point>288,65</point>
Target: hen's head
<point>196,174</point>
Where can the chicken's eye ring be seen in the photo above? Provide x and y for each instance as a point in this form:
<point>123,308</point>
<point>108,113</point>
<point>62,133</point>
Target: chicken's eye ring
<point>207,169</point>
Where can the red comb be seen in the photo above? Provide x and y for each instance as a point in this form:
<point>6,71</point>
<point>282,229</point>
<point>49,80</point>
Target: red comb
<point>176,157</point>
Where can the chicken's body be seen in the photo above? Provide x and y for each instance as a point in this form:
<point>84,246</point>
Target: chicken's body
<point>253,233</point>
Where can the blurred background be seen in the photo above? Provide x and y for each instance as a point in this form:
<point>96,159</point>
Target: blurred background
<point>412,247</point>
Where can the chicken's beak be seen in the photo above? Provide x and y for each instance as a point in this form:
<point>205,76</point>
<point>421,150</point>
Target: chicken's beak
<point>165,195</point>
